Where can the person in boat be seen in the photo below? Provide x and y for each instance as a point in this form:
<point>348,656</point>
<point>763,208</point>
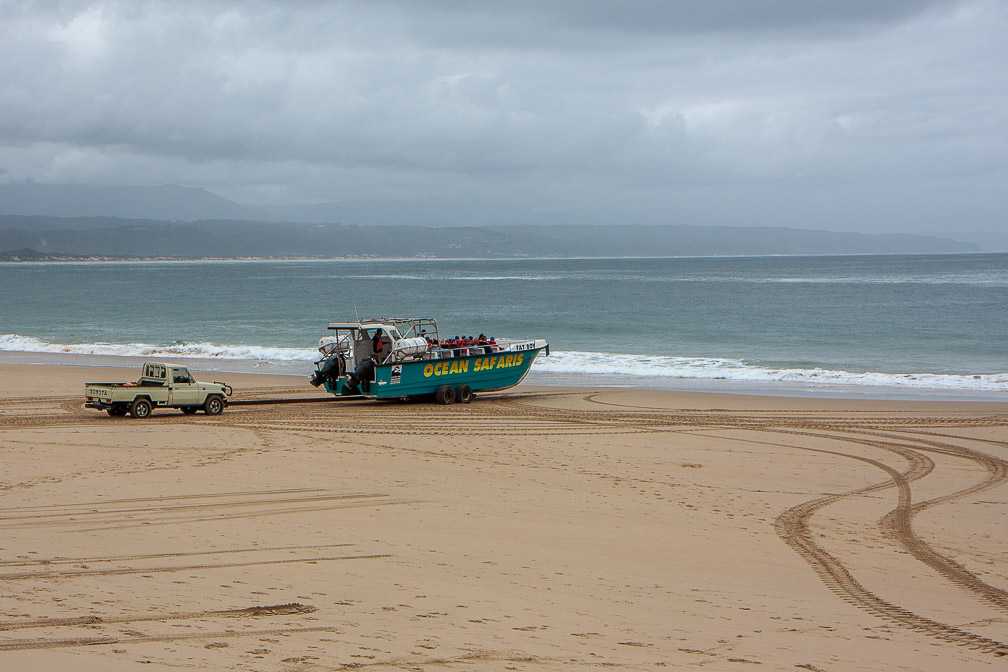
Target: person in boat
<point>367,364</point>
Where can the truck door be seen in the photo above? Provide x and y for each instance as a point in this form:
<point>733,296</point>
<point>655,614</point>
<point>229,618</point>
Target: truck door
<point>184,390</point>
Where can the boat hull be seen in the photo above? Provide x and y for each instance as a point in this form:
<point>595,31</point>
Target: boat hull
<point>410,378</point>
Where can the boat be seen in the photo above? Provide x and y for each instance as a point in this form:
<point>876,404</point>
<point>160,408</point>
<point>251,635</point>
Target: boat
<point>402,358</point>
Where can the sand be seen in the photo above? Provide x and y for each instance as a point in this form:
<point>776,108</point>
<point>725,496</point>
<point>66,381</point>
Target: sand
<point>539,529</point>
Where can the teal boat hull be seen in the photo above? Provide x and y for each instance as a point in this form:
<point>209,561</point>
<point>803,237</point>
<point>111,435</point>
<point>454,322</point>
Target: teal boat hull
<point>412,378</point>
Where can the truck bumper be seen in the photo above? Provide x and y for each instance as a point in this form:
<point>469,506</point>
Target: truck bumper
<point>99,404</point>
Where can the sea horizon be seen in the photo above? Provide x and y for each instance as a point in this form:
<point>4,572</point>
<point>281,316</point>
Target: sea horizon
<point>101,259</point>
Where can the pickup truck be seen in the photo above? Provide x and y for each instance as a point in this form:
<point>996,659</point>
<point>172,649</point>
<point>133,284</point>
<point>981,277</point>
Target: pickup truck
<point>160,386</point>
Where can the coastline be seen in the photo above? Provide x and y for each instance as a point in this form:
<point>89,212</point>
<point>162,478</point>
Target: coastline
<point>67,375</point>
<point>541,528</point>
<point>303,369</point>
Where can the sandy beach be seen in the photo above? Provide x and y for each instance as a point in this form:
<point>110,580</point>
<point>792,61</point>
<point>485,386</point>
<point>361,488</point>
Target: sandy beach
<point>537,529</point>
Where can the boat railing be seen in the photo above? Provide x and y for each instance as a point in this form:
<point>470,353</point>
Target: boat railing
<point>410,327</point>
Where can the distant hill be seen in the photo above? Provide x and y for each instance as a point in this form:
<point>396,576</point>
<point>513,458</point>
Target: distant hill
<point>186,204</point>
<point>168,202</point>
<point>429,212</point>
<point>139,238</point>
<point>989,241</point>
<point>481,229</point>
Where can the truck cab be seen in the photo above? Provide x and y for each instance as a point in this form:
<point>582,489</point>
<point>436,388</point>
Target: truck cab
<point>183,390</point>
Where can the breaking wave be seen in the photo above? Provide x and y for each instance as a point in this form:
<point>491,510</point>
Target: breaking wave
<point>701,368</point>
<point>16,343</point>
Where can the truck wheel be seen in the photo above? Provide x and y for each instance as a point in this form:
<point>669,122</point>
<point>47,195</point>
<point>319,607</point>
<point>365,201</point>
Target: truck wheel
<point>445,395</point>
<point>464,393</point>
<point>140,409</point>
<point>189,410</point>
<point>117,411</point>
<point>213,405</point>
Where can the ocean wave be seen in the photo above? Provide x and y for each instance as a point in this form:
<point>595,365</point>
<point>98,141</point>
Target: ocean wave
<point>17,343</point>
<point>593,364</point>
<point>995,280</point>
<point>445,277</point>
<point>701,368</point>
<point>975,280</point>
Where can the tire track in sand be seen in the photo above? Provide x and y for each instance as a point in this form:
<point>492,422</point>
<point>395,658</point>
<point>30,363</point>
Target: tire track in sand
<point>792,527</point>
<point>48,562</point>
<point>120,571</point>
<point>897,524</point>
<point>243,612</point>
<point>39,644</point>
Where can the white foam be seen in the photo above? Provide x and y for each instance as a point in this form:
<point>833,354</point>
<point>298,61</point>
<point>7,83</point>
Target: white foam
<point>17,343</point>
<point>700,368</point>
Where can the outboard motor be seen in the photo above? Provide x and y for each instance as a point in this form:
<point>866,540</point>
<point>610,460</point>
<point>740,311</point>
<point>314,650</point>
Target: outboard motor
<point>330,367</point>
<point>361,373</point>
<point>333,363</point>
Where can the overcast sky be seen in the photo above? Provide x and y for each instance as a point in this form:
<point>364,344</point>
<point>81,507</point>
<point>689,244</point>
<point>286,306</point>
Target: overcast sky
<point>862,115</point>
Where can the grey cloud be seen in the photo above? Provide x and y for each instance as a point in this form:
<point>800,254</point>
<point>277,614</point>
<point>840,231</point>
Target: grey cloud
<point>651,109</point>
<point>594,25</point>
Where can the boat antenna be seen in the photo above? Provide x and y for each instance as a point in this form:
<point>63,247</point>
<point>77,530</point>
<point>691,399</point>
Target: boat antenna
<point>355,309</point>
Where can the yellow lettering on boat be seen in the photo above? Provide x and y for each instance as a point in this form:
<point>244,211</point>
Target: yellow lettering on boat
<point>462,365</point>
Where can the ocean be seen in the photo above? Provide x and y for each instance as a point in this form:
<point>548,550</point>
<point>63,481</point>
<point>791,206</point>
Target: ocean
<point>894,325</point>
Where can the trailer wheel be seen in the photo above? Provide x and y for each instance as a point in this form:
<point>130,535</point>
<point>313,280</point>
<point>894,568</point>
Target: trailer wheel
<point>213,405</point>
<point>189,410</point>
<point>464,394</point>
<point>445,395</point>
<point>140,409</point>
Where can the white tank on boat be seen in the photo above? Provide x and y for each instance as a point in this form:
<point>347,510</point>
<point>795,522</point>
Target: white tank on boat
<point>406,347</point>
<point>328,344</point>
